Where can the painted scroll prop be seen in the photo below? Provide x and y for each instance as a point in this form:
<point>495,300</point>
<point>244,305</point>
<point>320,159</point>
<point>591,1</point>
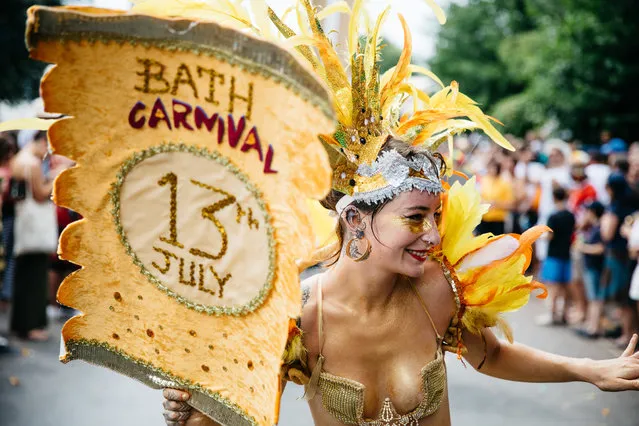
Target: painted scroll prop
<point>196,152</point>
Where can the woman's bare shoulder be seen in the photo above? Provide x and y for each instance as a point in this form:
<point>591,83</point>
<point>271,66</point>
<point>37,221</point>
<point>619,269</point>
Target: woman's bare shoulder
<point>435,288</point>
<point>308,318</point>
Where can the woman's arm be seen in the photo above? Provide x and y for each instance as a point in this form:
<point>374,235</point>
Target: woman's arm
<point>521,363</point>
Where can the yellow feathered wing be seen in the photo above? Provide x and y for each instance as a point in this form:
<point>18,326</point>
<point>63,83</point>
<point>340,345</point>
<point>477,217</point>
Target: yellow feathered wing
<point>489,271</point>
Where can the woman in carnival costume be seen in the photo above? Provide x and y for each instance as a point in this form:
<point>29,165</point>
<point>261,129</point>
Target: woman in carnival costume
<point>406,279</point>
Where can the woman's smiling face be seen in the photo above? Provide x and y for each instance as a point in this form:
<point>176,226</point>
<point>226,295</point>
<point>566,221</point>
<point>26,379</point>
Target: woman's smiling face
<point>403,231</point>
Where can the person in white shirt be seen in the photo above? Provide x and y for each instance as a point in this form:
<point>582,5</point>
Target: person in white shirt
<point>598,172</point>
<point>557,173</point>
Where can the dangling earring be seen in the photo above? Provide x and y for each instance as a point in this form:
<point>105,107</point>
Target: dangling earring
<point>353,251</point>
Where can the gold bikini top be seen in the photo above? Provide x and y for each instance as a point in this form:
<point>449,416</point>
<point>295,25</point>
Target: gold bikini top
<point>344,398</point>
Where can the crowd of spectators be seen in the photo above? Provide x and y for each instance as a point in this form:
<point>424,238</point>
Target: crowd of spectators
<point>589,197</point>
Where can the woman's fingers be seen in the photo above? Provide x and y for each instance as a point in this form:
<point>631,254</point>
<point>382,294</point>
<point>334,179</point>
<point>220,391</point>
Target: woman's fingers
<point>176,395</point>
<point>177,416</point>
<point>175,405</point>
<point>631,346</point>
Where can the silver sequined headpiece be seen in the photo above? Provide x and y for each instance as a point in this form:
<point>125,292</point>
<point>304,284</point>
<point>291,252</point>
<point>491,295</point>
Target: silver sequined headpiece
<point>401,175</point>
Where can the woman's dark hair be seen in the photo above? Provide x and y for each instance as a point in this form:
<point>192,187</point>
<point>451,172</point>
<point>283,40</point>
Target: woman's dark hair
<point>405,150</point>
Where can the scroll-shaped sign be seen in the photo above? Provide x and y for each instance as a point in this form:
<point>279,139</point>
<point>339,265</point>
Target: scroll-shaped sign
<point>196,151</point>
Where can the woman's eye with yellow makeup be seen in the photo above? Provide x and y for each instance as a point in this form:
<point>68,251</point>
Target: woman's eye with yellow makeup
<point>415,217</point>
<point>438,216</point>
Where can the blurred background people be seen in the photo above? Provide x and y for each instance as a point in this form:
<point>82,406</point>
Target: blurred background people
<point>617,259</point>
<point>597,172</point>
<point>582,194</point>
<point>556,269</point>
<point>8,148</point>
<point>498,191</point>
<point>556,175</point>
<point>30,295</point>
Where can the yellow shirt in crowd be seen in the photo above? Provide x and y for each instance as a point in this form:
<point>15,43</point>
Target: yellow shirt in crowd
<point>496,190</point>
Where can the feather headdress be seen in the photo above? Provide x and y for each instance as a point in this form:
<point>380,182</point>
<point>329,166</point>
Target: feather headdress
<point>369,108</point>
<point>369,105</point>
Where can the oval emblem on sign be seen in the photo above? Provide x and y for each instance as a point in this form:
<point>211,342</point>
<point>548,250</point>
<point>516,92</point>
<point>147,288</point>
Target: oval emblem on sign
<point>197,228</point>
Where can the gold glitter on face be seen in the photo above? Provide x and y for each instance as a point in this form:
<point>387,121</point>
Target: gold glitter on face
<point>418,223</point>
<point>413,224</point>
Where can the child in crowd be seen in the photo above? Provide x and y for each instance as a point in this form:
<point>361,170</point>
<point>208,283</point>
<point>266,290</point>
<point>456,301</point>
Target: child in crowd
<point>557,267</point>
<point>593,248</point>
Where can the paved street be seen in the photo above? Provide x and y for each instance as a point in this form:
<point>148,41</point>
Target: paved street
<point>49,393</point>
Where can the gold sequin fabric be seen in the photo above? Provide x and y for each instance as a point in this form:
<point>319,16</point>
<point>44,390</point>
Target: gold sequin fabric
<point>344,398</point>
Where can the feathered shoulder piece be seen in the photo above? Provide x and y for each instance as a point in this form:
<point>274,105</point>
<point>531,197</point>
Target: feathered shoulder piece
<point>294,365</point>
<point>489,272</point>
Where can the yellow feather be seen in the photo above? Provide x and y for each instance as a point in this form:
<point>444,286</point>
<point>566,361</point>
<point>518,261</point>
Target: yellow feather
<point>504,327</point>
<point>27,124</point>
<point>225,12</point>
<point>439,13</point>
<point>336,77</point>
<point>343,104</point>
<point>287,12</point>
<point>260,12</point>
<point>412,91</point>
<point>484,124</point>
<point>300,40</point>
<point>462,212</point>
<point>337,7</point>
<point>402,69</point>
<point>451,147</point>
<point>353,31</point>
<point>437,130</point>
<point>305,51</point>
<point>372,47</point>
<point>495,286</point>
<point>294,350</point>
<point>300,19</point>
<point>416,69</point>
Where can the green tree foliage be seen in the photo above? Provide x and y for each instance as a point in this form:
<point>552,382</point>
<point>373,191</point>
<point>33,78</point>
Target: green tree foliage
<point>532,60</point>
<point>467,51</point>
<point>19,75</point>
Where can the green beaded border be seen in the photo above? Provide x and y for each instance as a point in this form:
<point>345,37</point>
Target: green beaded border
<point>211,403</point>
<point>116,186</point>
<point>250,53</point>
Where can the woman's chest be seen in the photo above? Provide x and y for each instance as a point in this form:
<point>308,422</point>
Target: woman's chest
<point>368,364</point>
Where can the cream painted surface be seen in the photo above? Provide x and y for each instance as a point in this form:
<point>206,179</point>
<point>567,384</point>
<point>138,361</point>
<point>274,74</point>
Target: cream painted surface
<point>146,213</point>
